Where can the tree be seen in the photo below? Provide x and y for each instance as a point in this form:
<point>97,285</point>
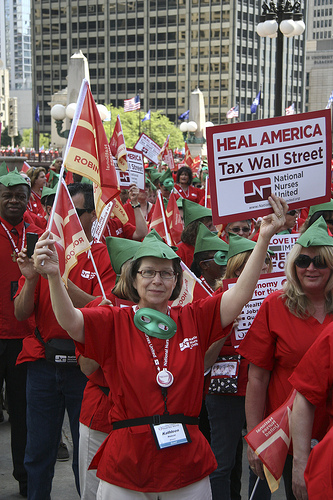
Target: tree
<point>44,139</point>
<point>160,127</point>
<point>7,141</point>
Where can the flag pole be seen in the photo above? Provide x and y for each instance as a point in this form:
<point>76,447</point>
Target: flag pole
<point>254,488</point>
<point>97,275</point>
<point>139,112</point>
<point>198,280</point>
<point>206,191</point>
<point>159,195</point>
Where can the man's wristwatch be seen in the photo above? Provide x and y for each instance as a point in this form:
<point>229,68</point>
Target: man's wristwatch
<point>136,206</point>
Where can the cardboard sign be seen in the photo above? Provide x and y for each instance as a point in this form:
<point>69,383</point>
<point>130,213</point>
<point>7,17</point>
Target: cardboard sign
<point>281,244</point>
<point>149,148</point>
<point>267,284</point>
<point>135,174</point>
<point>289,156</point>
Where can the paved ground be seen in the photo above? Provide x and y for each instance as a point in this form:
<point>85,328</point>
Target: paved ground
<point>63,482</point>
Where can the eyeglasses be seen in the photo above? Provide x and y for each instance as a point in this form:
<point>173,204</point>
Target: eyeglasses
<point>237,229</point>
<point>81,211</point>
<point>292,212</point>
<point>151,273</point>
<point>304,261</point>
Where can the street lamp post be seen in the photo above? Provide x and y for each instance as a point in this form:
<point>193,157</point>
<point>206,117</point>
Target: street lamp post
<point>59,113</point>
<point>280,19</point>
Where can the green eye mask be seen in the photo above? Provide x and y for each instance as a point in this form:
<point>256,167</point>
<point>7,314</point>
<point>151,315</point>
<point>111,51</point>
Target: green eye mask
<point>220,258</point>
<point>155,323</point>
<point>169,184</point>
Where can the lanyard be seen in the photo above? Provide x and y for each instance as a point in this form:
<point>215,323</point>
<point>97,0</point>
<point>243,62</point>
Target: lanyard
<point>16,250</point>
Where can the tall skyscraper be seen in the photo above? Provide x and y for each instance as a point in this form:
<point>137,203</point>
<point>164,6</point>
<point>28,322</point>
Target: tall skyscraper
<point>319,54</point>
<point>163,50</point>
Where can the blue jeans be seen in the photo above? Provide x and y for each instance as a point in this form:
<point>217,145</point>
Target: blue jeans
<point>226,417</point>
<point>50,390</point>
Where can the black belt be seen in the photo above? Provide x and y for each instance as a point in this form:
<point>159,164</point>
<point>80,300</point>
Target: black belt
<point>156,420</point>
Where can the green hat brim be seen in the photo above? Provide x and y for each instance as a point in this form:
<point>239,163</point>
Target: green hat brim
<point>13,179</point>
<point>120,251</point>
<point>316,235</point>
<point>207,241</point>
<point>322,207</point>
<point>153,246</point>
<point>193,211</point>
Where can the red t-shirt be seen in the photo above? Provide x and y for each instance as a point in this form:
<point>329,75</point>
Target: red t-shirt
<point>83,275</point>
<point>96,404</point>
<point>129,457</point>
<point>192,194</point>
<point>35,204</point>
<point>186,252</point>
<point>313,376</point>
<point>318,473</point>
<point>115,227</point>
<point>10,274</point>
<point>32,218</point>
<point>130,213</point>
<point>277,341</point>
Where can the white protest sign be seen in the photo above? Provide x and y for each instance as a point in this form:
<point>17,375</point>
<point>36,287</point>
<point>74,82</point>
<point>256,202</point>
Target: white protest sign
<point>149,148</point>
<point>267,284</point>
<point>135,173</point>
<point>281,244</point>
<point>289,156</point>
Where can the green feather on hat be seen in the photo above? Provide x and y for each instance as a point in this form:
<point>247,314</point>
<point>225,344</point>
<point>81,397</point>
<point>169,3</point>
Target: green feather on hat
<point>193,211</point>
<point>153,246</point>
<point>316,235</point>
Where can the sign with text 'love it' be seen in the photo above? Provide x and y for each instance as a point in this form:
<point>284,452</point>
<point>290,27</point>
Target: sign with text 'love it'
<point>289,156</point>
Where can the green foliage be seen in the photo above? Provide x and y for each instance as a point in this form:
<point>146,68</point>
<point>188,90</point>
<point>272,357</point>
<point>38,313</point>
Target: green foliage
<point>44,139</point>
<point>160,127</point>
<point>7,141</point>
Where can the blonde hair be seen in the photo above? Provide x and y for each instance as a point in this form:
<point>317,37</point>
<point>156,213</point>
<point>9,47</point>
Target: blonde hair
<point>237,263</point>
<point>121,288</point>
<point>296,299</point>
<point>33,173</point>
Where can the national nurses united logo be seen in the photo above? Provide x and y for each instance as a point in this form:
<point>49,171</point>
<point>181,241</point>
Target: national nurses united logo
<point>257,190</point>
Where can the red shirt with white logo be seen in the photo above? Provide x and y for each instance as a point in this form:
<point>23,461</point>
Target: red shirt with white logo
<point>82,275</point>
<point>192,193</point>
<point>129,457</point>
<point>10,274</point>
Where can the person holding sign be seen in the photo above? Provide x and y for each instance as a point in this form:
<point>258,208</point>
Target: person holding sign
<point>287,324</point>
<point>225,400</point>
<point>153,360</point>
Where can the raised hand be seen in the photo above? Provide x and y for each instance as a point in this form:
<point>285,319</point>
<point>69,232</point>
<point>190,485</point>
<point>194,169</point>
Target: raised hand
<point>45,255</point>
<point>272,223</point>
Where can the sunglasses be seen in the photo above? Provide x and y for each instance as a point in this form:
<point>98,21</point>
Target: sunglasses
<point>237,229</point>
<point>304,261</point>
<point>81,211</point>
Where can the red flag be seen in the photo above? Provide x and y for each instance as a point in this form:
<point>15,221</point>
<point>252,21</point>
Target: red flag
<point>174,220</point>
<point>25,167</point>
<point>118,147</point>
<point>69,238</point>
<point>158,220</point>
<point>270,440</point>
<point>196,165</point>
<point>188,158</point>
<point>88,152</point>
<point>163,150</point>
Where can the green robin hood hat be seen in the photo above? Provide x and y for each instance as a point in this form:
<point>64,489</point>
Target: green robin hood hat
<point>152,246</point>
<point>193,211</point>
<point>3,169</point>
<point>167,180</point>
<point>47,191</point>
<point>316,235</point>
<point>120,251</point>
<point>155,176</point>
<point>196,180</point>
<point>207,241</point>
<point>238,244</point>
<point>13,179</point>
<point>322,207</point>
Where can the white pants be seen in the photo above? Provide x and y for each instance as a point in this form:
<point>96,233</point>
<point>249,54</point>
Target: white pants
<point>196,491</point>
<point>89,443</point>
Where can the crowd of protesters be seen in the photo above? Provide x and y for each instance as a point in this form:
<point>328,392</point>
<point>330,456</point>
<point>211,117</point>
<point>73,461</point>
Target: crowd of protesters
<point>152,410</point>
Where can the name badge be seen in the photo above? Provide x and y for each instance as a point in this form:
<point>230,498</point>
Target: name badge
<point>167,435</point>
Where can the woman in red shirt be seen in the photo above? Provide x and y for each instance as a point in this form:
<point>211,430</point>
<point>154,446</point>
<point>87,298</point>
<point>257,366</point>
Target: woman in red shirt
<point>153,360</point>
